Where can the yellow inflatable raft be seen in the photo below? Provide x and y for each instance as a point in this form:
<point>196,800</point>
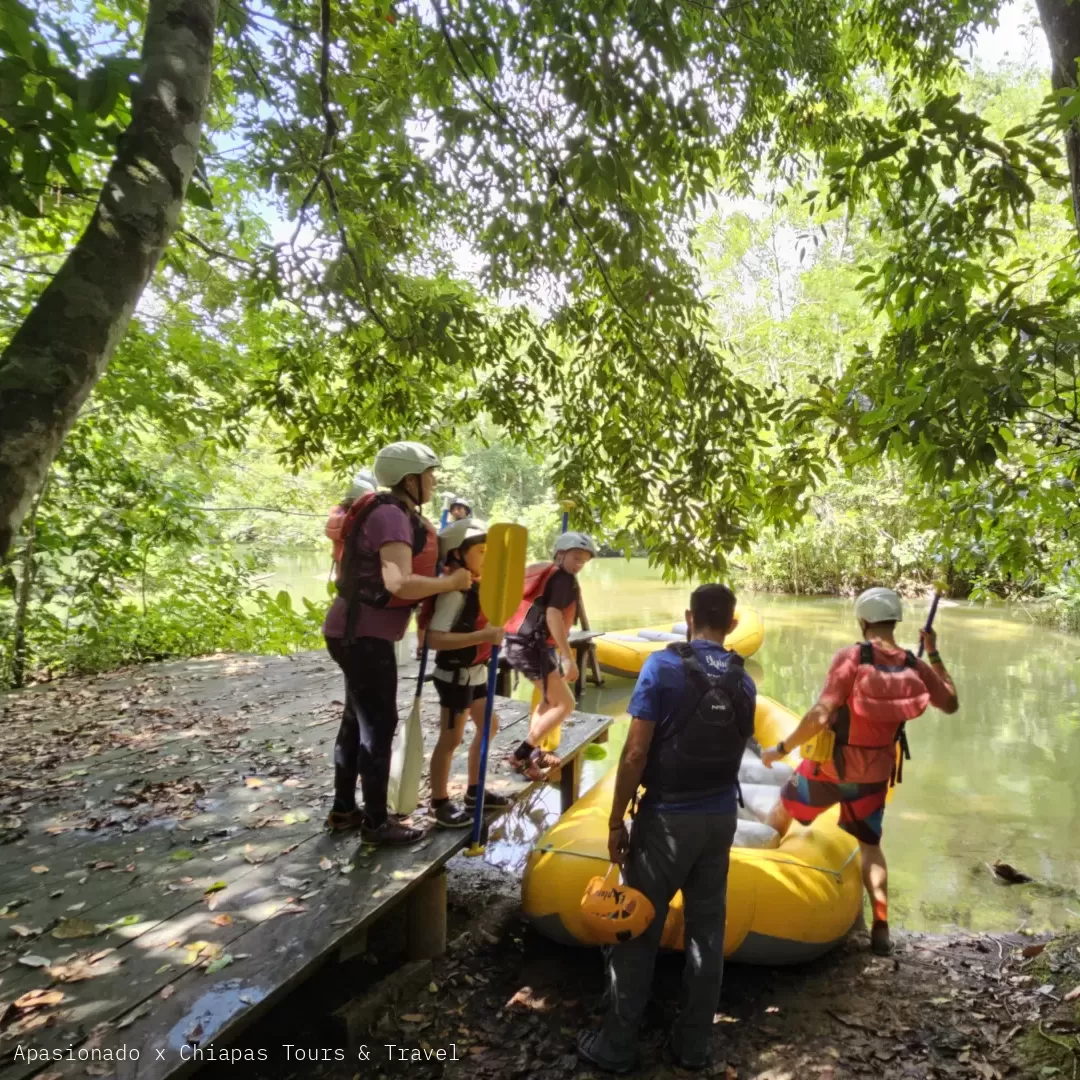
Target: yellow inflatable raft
<point>787,902</point>
<point>622,652</point>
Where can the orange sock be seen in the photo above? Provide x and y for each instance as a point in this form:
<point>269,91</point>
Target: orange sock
<point>880,909</point>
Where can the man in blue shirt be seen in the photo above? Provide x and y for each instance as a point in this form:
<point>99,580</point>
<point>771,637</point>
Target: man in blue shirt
<point>692,712</point>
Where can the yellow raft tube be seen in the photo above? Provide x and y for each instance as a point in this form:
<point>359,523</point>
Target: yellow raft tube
<point>622,652</point>
<point>786,904</point>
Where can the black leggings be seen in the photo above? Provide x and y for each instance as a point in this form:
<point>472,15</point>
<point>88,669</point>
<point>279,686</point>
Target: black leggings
<point>368,723</point>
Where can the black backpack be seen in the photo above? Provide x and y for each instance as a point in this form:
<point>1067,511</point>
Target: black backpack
<point>703,749</point>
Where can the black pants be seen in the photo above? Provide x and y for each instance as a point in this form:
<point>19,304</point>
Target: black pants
<point>368,723</point>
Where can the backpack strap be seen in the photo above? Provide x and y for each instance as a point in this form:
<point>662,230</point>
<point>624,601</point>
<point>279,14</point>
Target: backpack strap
<point>866,652</point>
<point>909,658</point>
<point>730,680</point>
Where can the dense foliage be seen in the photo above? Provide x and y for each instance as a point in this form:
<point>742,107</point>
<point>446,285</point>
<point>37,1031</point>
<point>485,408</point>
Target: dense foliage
<point>775,285</point>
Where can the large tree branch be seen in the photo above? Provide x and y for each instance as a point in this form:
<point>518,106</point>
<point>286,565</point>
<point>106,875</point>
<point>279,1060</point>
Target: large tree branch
<point>63,346</point>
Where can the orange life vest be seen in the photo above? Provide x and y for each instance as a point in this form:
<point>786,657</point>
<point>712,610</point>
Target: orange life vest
<point>530,619</point>
<point>360,579</point>
<point>335,525</point>
<point>882,699</point>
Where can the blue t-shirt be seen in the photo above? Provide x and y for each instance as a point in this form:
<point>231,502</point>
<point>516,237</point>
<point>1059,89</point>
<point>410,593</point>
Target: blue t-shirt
<point>658,697</point>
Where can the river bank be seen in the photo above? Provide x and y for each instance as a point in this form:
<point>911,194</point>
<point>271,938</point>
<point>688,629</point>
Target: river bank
<point>506,1003</point>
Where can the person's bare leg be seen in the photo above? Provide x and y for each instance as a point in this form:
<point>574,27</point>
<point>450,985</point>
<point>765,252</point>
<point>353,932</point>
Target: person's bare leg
<point>559,705</point>
<point>875,876</point>
<point>476,711</point>
<point>779,819</point>
<point>443,754</point>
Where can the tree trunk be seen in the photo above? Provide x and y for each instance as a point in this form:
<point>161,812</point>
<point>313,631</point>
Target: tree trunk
<point>1061,23</point>
<point>26,585</point>
<point>62,348</point>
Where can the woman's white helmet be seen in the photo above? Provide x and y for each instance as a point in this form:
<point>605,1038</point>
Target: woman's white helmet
<point>878,605</point>
<point>398,460</point>
<point>569,541</point>
<point>458,533</point>
<point>362,483</point>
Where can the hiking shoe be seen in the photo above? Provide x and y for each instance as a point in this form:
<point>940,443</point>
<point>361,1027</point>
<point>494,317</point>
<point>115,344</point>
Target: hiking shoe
<point>492,800</point>
<point>690,1062</point>
<point>880,943</point>
<point>340,820</point>
<point>528,767</point>
<point>391,832</point>
<point>592,1049</point>
<point>448,815</point>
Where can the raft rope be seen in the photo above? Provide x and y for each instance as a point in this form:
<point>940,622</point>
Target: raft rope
<point>837,874</point>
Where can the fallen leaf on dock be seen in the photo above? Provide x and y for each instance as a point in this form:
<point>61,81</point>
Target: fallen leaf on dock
<point>68,929</point>
<point>145,1008</point>
<point>39,999</point>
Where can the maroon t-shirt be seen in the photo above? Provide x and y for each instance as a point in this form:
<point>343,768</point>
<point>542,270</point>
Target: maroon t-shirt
<point>387,524</point>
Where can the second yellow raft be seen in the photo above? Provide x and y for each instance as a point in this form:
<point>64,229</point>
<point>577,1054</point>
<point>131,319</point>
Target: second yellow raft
<point>787,903</point>
<point>622,652</point>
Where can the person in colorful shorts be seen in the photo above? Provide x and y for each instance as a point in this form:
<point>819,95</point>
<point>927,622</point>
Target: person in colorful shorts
<point>873,688</point>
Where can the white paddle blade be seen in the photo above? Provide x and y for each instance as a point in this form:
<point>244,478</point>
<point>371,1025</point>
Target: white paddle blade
<point>406,764</point>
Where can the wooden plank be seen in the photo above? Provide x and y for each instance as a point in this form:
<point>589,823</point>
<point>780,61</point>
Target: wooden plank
<point>148,958</point>
<point>426,915</point>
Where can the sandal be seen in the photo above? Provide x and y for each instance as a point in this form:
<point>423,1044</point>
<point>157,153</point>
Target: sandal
<point>546,759</point>
<point>340,820</point>
<point>391,832</point>
<point>526,767</point>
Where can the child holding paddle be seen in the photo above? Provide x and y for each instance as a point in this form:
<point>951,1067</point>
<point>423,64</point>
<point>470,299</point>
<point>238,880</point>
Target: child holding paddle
<point>540,625</point>
<point>459,633</point>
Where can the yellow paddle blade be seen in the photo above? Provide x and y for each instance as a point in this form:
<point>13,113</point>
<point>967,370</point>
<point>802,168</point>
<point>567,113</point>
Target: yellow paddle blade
<point>503,583</point>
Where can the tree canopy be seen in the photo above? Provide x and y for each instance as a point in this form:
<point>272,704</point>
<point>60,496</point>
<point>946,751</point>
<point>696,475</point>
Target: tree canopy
<point>344,224</point>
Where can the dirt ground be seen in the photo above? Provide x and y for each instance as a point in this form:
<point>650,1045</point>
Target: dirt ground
<point>506,1003</point>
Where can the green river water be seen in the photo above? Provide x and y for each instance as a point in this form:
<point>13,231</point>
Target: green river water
<point>996,780</point>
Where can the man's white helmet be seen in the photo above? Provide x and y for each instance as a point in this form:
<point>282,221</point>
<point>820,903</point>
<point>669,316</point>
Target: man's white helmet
<point>460,500</point>
<point>398,460</point>
<point>458,533</point>
<point>878,605</point>
<point>362,483</point>
<point>568,541</point>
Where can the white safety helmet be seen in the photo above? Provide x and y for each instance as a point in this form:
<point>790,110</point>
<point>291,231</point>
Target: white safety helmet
<point>569,541</point>
<point>362,483</point>
<point>459,533</point>
<point>878,605</point>
<point>460,500</point>
<point>398,460</point>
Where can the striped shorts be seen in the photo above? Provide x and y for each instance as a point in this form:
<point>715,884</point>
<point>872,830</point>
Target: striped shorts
<point>862,806</point>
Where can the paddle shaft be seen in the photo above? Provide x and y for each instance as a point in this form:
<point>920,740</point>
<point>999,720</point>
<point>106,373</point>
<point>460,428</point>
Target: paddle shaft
<point>478,816</point>
<point>930,619</point>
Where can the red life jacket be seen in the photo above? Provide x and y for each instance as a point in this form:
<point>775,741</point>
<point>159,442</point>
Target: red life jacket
<point>335,524</point>
<point>469,620</point>
<point>360,579</point>
<point>530,619</point>
<point>882,699</point>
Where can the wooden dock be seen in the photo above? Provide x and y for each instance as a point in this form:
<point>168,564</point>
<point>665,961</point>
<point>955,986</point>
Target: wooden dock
<point>164,871</point>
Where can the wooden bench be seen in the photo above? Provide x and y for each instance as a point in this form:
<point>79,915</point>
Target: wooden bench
<point>198,924</point>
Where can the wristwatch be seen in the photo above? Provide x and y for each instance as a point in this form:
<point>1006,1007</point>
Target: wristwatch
<point>781,748</point>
